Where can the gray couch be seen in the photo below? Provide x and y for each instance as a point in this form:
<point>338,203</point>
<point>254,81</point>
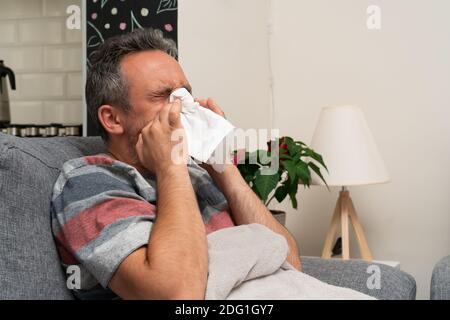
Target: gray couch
<point>29,264</point>
<point>440,280</point>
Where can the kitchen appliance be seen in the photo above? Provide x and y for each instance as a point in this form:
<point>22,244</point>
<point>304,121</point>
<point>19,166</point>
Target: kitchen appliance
<point>5,114</point>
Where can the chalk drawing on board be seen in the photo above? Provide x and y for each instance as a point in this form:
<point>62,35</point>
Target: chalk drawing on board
<point>167,5</point>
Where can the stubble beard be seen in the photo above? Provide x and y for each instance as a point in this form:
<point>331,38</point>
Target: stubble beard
<point>134,128</point>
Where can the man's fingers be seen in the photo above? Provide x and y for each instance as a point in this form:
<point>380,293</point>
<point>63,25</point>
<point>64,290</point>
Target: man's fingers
<point>139,141</point>
<point>202,102</point>
<point>139,145</point>
<point>145,133</point>
<point>174,113</point>
<point>207,103</point>
<point>211,105</point>
<point>148,126</point>
<point>164,113</point>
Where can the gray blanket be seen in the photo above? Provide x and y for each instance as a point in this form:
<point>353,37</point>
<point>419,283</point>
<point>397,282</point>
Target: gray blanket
<point>249,262</point>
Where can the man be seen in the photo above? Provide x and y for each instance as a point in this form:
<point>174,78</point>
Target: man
<point>104,207</point>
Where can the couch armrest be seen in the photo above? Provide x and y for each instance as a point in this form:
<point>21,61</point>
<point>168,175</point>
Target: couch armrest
<point>440,280</point>
<point>394,285</point>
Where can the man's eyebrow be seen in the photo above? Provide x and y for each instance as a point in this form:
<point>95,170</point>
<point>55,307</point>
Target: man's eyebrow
<point>168,90</point>
<point>162,91</point>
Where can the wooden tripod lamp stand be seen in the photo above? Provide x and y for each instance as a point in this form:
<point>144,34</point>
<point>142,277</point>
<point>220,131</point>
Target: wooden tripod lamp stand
<point>348,148</point>
<point>345,213</point>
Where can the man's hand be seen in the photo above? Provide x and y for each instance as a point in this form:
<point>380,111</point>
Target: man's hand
<point>162,143</point>
<point>245,206</point>
<point>214,107</point>
<point>211,105</point>
<point>178,235</point>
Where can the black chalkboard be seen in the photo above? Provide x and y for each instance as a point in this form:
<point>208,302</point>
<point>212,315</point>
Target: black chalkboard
<point>106,18</point>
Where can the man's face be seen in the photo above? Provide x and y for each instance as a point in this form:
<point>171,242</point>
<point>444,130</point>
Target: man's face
<point>151,77</point>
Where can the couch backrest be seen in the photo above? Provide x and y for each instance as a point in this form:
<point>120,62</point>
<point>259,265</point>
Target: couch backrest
<point>29,263</point>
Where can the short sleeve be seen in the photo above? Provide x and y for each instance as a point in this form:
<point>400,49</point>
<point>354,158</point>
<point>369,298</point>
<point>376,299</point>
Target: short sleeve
<point>99,218</point>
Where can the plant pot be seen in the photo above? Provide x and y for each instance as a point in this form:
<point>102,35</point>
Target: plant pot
<point>280,216</point>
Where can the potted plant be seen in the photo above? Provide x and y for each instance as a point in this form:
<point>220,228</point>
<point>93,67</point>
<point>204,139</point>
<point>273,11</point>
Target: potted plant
<point>275,173</point>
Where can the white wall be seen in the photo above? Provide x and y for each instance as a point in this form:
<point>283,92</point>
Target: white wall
<point>322,55</point>
<point>46,58</point>
<point>224,52</point>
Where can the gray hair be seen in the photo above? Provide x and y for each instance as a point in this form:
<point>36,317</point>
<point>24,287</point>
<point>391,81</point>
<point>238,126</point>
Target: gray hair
<point>105,83</point>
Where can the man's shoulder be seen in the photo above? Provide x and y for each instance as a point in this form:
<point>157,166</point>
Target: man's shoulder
<point>94,162</point>
<point>99,173</point>
<point>85,167</point>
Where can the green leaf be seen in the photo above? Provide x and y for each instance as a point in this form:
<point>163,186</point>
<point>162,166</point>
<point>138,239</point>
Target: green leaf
<point>285,157</point>
<point>292,184</point>
<point>303,173</point>
<point>316,169</point>
<point>249,178</point>
<point>300,143</point>
<point>281,193</point>
<point>263,157</point>
<point>296,157</point>
<point>264,184</point>
<point>292,191</point>
<point>252,157</point>
<point>292,195</point>
<point>247,168</point>
<point>311,153</point>
<point>248,171</point>
<point>292,147</point>
<point>288,140</point>
<point>291,169</point>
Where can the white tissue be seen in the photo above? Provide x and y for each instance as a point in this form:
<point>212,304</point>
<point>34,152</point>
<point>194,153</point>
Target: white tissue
<point>205,130</point>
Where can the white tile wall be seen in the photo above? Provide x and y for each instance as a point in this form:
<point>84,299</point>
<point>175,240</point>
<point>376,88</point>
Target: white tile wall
<point>23,59</point>
<point>36,86</point>
<point>57,8</point>
<point>73,35</point>
<point>8,32</point>
<point>47,60</point>
<point>42,31</point>
<point>28,112</point>
<point>74,85</point>
<point>62,58</point>
<point>20,9</point>
<point>69,112</point>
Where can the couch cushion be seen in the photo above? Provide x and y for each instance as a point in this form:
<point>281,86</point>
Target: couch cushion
<point>440,280</point>
<point>29,264</point>
<point>395,284</point>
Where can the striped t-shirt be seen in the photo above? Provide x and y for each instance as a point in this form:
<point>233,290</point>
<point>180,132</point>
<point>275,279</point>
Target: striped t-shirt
<point>103,209</point>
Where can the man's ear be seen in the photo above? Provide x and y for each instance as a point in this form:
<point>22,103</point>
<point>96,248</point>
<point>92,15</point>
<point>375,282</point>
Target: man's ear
<point>111,119</point>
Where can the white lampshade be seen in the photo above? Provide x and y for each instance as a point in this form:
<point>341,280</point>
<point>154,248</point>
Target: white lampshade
<point>348,148</point>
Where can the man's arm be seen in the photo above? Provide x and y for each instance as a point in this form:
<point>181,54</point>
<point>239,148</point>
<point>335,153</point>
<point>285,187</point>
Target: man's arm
<point>247,208</point>
<point>174,264</point>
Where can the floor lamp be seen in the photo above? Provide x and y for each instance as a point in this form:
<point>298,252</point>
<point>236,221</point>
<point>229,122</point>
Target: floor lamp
<point>343,138</point>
